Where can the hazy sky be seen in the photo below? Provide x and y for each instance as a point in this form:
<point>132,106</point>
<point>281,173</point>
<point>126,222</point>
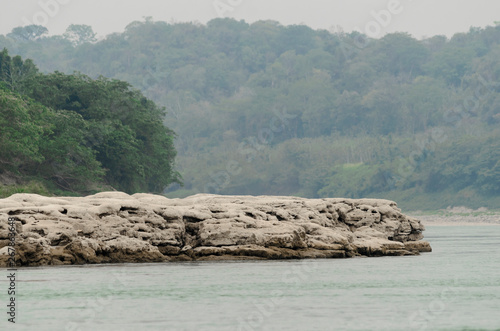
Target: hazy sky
<point>375,17</point>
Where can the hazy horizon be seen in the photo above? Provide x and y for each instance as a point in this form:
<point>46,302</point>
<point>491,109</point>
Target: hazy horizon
<point>375,18</point>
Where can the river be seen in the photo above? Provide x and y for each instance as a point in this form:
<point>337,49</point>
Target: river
<point>456,287</point>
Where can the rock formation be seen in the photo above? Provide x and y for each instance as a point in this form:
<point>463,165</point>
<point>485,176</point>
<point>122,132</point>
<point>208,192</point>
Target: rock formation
<point>114,227</point>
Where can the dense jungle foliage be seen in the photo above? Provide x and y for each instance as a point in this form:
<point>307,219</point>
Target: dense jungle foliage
<point>76,134</point>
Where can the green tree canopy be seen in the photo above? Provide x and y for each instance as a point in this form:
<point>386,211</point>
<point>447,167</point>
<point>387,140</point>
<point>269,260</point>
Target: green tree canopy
<point>28,33</point>
<point>79,34</point>
<point>74,130</point>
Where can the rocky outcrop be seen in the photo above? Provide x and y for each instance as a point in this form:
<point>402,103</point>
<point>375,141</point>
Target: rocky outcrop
<point>114,227</point>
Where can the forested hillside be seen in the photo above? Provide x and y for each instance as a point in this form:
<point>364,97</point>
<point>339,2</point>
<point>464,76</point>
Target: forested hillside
<point>269,109</point>
<point>72,134</point>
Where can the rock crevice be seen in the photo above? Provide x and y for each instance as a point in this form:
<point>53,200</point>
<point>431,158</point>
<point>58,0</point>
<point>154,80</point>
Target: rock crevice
<point>113,227</point>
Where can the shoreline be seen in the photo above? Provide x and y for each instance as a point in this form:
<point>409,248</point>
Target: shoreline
<point>458,219</point>
<point>444,223</point>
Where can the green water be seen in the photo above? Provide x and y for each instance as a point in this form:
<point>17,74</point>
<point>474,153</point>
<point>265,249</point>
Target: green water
<point>456,287</point>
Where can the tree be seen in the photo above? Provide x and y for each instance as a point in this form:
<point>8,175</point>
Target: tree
<point>14,71</point>
<point>123,128</point>
<point>20,132</point>
<point>28,33</point>
<point>68,161</point>
<point>348,113</point>
<point>451,64</point>
<point>80,34</point>
<point>423,99</point>
<point>299,38</point>
<point>398,53</point>
<point>383,109</point>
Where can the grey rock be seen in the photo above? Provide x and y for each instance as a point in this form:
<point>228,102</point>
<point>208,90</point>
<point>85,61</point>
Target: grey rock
<point>113,227</point>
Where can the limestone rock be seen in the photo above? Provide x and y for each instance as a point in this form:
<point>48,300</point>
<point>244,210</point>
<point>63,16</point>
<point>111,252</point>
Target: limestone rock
<point>113,227</point>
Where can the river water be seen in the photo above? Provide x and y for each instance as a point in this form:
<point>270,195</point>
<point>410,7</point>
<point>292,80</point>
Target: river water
<point>456,287</point>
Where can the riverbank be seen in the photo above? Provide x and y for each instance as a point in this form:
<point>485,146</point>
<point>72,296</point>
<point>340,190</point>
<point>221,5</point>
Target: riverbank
<point>458,216</point>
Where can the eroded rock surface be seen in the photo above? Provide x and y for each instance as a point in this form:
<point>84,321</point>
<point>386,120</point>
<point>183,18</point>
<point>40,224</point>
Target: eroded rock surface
<point>113,227</point>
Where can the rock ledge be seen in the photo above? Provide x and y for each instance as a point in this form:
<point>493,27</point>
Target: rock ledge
<point>114,227</point>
